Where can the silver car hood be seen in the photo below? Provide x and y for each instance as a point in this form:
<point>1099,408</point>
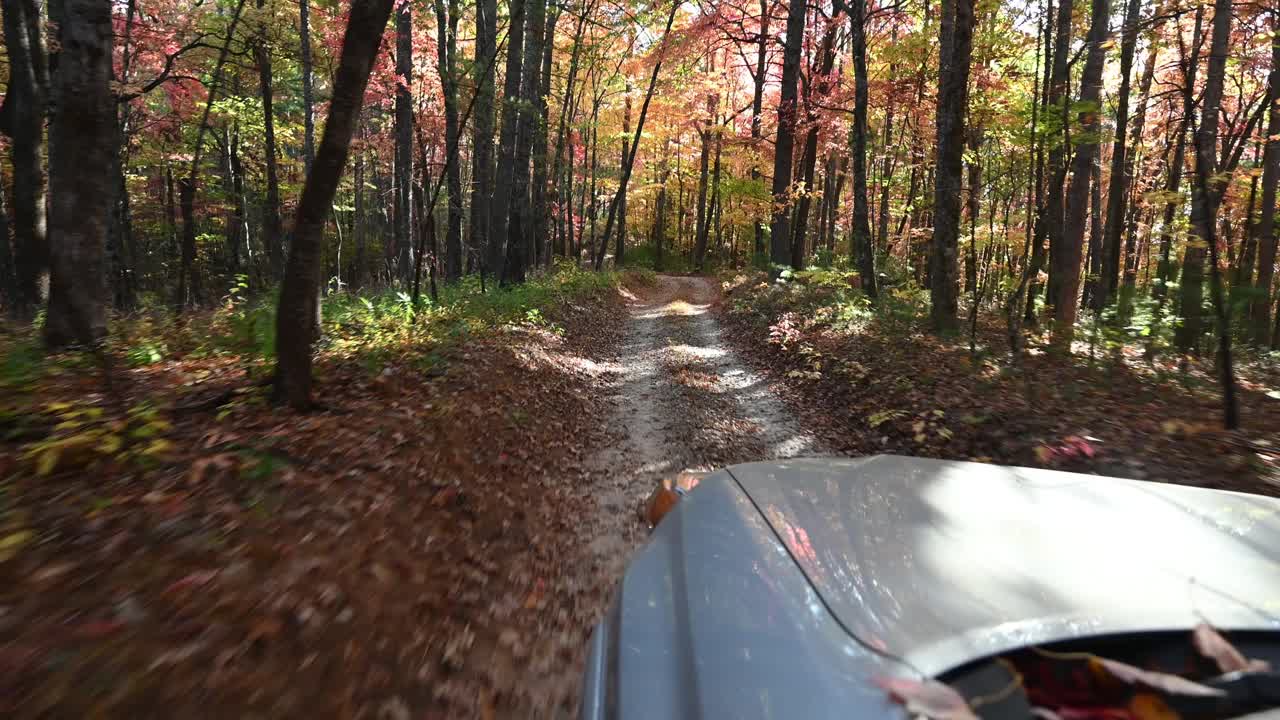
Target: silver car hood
<point>943,562</point>
<point>778,590</point>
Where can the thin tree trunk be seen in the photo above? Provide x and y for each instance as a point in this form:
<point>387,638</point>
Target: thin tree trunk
<point>635,141</point>
<point>541,211</point>
<point>621,247</point>
<point>704,174</point>
<point>189,289</point>
<point>401,201</point>
<point>300,292</point>
<point>308,92</point>
<point>1129,283</point>
<point>757,108</point>
<point>446,54</point>
<point>271,228</point>
<point>520,242</point>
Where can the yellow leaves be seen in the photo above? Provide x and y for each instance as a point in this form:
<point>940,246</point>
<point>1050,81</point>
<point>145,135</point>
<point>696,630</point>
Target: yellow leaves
<point>84,435</point>
<point>12,543</point>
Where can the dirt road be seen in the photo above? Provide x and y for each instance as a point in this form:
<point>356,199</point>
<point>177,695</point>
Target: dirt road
<point>683,401</point>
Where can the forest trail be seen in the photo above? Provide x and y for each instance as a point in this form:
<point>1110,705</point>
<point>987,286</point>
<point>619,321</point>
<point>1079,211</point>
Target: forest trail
<point>683,402</point>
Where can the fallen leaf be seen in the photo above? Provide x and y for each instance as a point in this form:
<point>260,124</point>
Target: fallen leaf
<point>1211,644</point>
<point>1171,684</point>
<point>927,697</point>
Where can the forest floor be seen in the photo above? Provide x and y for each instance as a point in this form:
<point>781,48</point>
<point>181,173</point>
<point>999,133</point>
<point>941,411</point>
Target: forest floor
<point>437,541</point>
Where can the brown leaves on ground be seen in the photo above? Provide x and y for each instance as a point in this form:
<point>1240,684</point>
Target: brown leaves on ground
<point>890,387</point>
<point>390,556</point>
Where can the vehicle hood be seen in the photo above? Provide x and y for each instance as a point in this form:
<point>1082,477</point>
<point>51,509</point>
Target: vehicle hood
<point>940,562</point>
<point>781,589</point>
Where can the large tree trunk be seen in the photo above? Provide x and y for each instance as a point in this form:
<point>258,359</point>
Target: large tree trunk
<point>521,245</point>
<point>1056,169</point>
<point>953,100</point>
<point>271,229</point>
<point>402,200</point>
<point>23,121</point>
<point>83,132</point>
<point>1118,191</point>
<point>300,292</point>
<point>500,211</point>
<point>447,53</point>
<point>482,129</point>
<point>1260,312</point>
<point>864,255</point>
<point>1066,266</point>
<point>308,91</point>
<point>784,146</point>
<point>1204,211</point>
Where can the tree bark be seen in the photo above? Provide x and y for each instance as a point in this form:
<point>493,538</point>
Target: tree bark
<point>83,131</point>
<point>953,100</point>
<point>757,110</point>
<point>300,292</point>
<point>704,175</point>
<point>538,201</point>
<point>621,247</point>
<point>1130,280</point>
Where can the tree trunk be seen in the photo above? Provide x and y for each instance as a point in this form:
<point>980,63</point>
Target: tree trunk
<point>500,211</point>
<point>401,201</point>
<point>358,273</point>
<point>784,146</point>
<point>1204,209</point>
<point>621,247</point>
<point>704,174</point>
<point>520,241</point>
<point>83,131</point>
<point>300,292</point>
<point>1260,311</point>
<point>1071,248</point>
<point>1190,64</point>
<point>1117,192</point>
<point>23,119</point>
<point>446,54</point>
<point>482,130</point>
<point>809,155</point>
<point>541,211</point>
<point>272,232</point>
<point>953,100</point>
<point>757,109</point>
<point>308,92</point>
<point>864,255</point>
